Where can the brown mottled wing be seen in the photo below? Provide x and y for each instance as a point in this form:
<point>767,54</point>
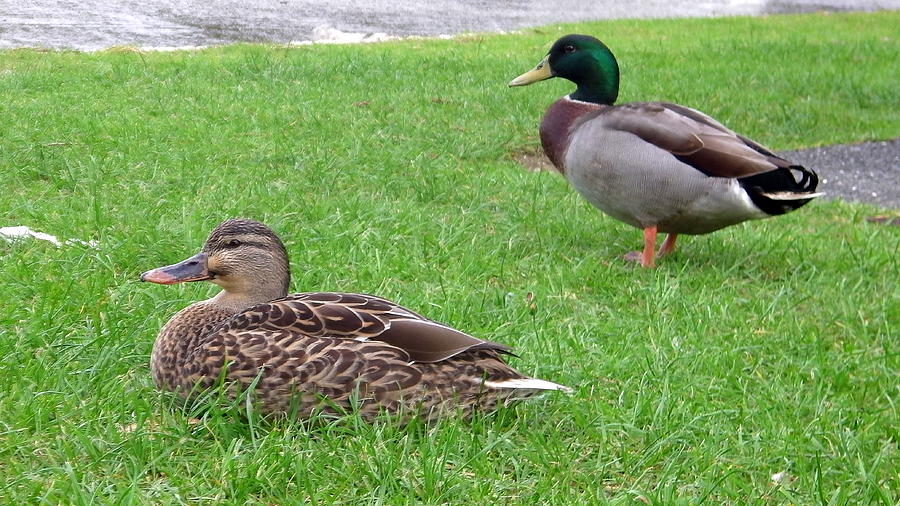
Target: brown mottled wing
<point>291,369</point>
<point>360,318</point>
<point>694,138</point>
<point>334,367</point>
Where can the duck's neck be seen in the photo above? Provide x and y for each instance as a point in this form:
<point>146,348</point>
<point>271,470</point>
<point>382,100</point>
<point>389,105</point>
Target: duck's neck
<point>239,294</point>
<point>558,124</point>
<point>237,302</point>
<point>599,81</point>
<point>598,92</point>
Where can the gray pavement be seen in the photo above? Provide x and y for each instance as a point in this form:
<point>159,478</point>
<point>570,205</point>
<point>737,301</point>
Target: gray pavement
<point>865,172</point>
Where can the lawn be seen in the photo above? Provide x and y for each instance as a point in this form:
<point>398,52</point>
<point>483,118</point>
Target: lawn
<point>758,364</point>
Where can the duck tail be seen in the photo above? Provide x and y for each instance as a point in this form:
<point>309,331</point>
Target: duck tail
<point>527,384</point>
<point>783,189</point>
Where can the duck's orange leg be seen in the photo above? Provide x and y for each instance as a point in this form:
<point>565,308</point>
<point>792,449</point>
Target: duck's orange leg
<point>668,245</point>
<point>645,257</point>
<point>649,247</point>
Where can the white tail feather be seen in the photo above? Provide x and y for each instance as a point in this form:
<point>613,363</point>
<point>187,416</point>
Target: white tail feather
<point>527,384</point>
<point>792,195</point>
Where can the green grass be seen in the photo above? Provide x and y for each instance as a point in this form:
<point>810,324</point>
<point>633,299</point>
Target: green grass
<point>764,348</point>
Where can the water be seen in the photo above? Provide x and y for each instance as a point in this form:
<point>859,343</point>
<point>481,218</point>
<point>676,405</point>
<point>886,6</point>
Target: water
<point>97,24</point>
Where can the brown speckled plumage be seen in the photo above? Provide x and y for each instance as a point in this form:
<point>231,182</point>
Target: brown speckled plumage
<point>318,351</point>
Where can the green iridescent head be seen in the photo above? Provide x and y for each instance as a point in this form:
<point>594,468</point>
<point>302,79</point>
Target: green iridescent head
<point>585,61</point>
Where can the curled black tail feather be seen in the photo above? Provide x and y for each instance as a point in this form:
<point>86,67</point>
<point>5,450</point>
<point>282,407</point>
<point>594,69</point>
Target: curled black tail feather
<point>793,193</point>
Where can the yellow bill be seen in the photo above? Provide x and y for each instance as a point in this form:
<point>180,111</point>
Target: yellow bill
<point>539,73</point>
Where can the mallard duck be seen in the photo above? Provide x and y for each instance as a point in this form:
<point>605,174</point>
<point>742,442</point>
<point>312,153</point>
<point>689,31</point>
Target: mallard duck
<point>657,166</point>
<point>318,351</point>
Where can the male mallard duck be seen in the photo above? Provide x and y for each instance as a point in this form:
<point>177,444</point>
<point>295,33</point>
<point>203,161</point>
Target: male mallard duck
<point>309,351</point>
<point>657,166</point>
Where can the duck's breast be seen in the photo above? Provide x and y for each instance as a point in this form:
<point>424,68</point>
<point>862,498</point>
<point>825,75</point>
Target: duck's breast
<point>558,124</point>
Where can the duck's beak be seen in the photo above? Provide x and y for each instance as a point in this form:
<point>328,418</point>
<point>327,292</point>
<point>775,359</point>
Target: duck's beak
<point>192,269</point>
<point>539,73</point>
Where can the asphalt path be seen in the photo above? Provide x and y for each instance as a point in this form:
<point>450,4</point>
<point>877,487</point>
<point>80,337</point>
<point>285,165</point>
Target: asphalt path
<point>865,172</point>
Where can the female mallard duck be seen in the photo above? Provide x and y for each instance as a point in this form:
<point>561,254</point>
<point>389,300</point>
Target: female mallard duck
<point>657,166</point>
<point>310,351</point>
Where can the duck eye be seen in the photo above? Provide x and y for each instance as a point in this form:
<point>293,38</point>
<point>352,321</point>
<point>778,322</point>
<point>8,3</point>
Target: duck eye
<point>569,49</point>
<point>234,243</point>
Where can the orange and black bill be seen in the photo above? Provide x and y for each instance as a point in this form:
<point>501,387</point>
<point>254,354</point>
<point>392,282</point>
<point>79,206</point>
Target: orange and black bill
<point>192,269</point>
